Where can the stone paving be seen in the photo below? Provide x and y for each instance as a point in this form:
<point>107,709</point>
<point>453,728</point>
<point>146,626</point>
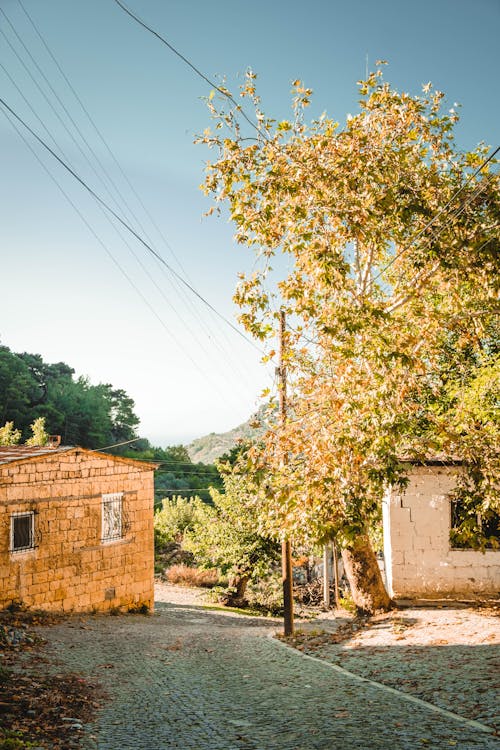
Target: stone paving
<point>448,656</point>
<point>189,678</point>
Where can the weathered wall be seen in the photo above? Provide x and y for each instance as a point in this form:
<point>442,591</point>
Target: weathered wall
<point>418,557</point>
<point>71,569</point>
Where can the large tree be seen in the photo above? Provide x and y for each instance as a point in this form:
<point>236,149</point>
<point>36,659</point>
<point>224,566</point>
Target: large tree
<point>391,236</point>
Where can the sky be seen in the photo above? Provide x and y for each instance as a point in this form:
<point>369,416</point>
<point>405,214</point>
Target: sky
<point>75,286</point>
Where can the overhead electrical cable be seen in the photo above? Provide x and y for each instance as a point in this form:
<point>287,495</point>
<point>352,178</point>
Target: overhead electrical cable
<point>117,445</point>
<point>29,105</point>
<point>183,465</point>
<point>115,228</point>
<point>227,94</point>
<point>435,217</point>
<point>183,473</point>
<point>101,137</point>
<point>201,320</point>
<point>193,67</point>
<point>175,284</point>
<point>56,113</point>
<point>94,234</point>
<point>127,226</point>
<point>180,490</point>
<point>116,262</point>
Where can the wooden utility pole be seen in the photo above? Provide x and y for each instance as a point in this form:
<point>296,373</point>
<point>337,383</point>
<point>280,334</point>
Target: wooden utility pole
<point>326,576</point>
<point>286,547</point>
<point>336,574</point>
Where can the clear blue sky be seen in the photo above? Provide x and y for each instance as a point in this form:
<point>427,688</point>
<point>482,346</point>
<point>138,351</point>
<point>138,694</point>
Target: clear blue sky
<point>63,295</point>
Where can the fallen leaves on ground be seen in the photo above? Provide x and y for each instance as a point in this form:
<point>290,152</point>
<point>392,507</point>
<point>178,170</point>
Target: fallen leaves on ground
<point>312,640</point>
<point>37,707</point>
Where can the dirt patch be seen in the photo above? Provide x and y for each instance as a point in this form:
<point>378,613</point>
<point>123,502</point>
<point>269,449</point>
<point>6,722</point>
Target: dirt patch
<point>183,595</point>
<point>412,626</point>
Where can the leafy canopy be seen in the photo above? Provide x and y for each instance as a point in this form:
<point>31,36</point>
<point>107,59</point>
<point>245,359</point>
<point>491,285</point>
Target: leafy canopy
<point>391,235</point>
<point>226,534</point>
<point>92,416</point>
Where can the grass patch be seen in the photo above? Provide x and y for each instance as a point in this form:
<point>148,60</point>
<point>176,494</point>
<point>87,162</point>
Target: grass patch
<point>247,611</point>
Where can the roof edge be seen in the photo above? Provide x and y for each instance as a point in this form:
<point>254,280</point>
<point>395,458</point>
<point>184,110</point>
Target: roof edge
<point>144,465</point>
<point>50,452</point>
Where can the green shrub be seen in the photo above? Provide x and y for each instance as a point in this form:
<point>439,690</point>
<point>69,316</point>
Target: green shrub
<point>10,740</point>
<point>177,516</point>
<point>266,595</point>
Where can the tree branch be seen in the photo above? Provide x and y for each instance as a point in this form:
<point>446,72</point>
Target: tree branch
<point>416,284</point>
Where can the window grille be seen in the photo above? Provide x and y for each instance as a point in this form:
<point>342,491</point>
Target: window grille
<point>112,516</point>
<point>22,531</point>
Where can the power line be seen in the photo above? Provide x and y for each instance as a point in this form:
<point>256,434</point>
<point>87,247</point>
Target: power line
<point>117,445</point>
<point>183,466</point>
<point>180,490</point>
<point>156,254</point>
<point>183,475</point>
<point>204,471</point>
<point>174,282</point>
<point>167,328</point>
<point>193,67</point>
<point>227,94</point>
<point>154,282</point>
<point>173,308</point>
<point>102,244</point>
<point>102,139</point>
<point>127,226</point>
<point>440,212</point>
<point>111,181</point>
<point>58,116</point>
<point>29,105</point>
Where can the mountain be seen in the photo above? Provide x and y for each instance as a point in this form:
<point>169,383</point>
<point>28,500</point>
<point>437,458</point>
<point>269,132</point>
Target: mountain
<point>210,447</point>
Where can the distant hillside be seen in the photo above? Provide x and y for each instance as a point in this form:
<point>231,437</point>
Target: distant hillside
<point>210,447</point>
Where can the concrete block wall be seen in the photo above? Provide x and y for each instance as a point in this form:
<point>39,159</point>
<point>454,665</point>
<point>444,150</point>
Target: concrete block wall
<point>71,569</point>
<point>418,557</point>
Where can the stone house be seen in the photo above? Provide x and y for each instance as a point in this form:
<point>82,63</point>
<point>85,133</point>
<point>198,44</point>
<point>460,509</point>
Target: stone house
<point>420,561</point>
<point>76,530</point>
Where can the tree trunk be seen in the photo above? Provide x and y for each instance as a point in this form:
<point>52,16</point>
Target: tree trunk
<point>239,583</point>
<point>367,588</point>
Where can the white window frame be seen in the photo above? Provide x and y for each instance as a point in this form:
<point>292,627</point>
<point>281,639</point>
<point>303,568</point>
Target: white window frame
<point>112,517</point>
<point>22,514</point>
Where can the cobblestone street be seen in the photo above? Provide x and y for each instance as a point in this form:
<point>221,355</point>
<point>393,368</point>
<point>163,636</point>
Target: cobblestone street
<point>190,678</point>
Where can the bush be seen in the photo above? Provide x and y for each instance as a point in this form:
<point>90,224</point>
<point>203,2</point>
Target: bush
<point>266,595</point>
<point>186,576</point>
<point>177,516</point>
<point>167,555</point>
<point>10,740</point>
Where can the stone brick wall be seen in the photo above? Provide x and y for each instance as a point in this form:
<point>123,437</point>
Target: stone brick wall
<point>70,567</point>
<point>418,557</point>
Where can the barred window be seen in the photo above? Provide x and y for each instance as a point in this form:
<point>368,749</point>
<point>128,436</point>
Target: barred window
<point>112,516</point>
<point>22,531</point>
